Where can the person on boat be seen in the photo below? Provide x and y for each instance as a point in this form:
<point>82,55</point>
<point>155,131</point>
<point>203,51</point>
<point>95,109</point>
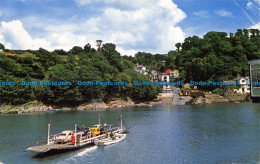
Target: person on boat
<point>112,136</point>
<point>73,139</point>
<point>102,130</point>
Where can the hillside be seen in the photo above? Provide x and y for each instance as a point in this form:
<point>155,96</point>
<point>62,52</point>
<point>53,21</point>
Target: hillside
<point>62,77</point>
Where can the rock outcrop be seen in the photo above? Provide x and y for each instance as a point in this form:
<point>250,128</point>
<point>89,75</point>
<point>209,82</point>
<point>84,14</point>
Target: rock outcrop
<point>215,98</point>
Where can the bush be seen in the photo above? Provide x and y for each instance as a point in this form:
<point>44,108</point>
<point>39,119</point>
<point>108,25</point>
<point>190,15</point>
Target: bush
<point>218,91</point>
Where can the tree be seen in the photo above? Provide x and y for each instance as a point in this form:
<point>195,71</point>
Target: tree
<point>65,93</point>
<point>178,46</point>
<point>47,59</point>
<point>76,50</point>
<point>89,92</point>
<point>2,46</point>
<point>87,48</point>
<point>60,52</point>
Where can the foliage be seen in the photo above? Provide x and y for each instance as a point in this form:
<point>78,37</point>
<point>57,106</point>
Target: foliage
<point>73,68</point>
<point>217,91</point>
<point>2,46</point>
<point>214,57</point>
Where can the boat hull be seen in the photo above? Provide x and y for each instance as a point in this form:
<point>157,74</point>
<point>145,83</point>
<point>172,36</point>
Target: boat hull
<point>49,111</point>
<point>109,141</point>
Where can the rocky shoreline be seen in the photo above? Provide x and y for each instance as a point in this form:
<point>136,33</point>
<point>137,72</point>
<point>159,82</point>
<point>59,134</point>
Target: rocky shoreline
<point>36,106</point>
<point>112,104</point>
<point>216,98</point>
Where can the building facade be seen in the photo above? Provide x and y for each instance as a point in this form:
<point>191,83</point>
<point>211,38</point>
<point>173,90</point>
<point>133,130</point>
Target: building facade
<point>254,67</point>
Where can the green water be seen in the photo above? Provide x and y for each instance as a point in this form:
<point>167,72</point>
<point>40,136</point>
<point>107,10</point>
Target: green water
<point>214,133</point>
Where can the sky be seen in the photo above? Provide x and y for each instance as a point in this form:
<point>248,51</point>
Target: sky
<point>153,26</point>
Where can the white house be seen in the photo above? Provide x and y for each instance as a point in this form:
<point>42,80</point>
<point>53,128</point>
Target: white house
<point>175,73</point>
<point>141,69</point>
<point>166,79</point>
<point>154,75</point>
<point>244,87</point>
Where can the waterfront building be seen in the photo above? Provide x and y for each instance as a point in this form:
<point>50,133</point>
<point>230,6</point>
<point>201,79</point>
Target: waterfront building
<point>166,79</point>
<point>244,85</point>
<point>255,79</point>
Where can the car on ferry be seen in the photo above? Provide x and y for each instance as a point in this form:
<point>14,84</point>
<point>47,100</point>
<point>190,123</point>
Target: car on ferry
<point>95,130</point>
<point>64,136</point>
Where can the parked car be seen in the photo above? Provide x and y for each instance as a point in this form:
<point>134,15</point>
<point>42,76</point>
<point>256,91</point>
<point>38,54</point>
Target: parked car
<point>95,131</point>
<point>64,136</point>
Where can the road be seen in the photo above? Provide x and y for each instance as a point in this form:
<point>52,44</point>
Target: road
<point>176,99</point>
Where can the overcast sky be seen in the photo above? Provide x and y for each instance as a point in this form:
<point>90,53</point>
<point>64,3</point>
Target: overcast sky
<point>133,25</point>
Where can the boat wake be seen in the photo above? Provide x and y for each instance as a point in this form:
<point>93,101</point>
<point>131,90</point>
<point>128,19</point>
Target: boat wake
<point>86,151</point>
<point>80,155</point>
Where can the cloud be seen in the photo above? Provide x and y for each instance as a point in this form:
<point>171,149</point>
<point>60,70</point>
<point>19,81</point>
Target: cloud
<point>13,35</point>
<point>126,52</point>
<point>256,26</point>
<point>128,3</point>
<point>253,7</point>
<point>223,13</point>
<point>148,25</point>
<point>249,5</point>
<point>202,14</point>
<point>133,25</point>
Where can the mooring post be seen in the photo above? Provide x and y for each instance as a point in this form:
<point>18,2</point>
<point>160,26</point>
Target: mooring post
<point>121,122</point>
<point>75,135</point>
<point>49,126</point>
<point>98,119</point>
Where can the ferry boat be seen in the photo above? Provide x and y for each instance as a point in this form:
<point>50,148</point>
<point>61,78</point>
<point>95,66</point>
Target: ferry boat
<point>75,139</point>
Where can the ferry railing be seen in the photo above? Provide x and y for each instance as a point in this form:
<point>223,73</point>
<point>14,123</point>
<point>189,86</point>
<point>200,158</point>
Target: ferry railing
<point>44,141</point>
<point>92,139</point>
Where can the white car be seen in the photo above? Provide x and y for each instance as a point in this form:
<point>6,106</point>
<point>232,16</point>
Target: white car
<point>64,136</point>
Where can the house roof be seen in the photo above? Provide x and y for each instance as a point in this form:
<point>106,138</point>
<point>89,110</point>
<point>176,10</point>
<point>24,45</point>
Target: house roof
<point>257,61</point>
<point>153,72</point>
<point>229,81</point>
<point>239,78</point>
<point>167,71</point>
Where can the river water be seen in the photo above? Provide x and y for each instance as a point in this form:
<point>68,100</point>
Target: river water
<point>213,133</point>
